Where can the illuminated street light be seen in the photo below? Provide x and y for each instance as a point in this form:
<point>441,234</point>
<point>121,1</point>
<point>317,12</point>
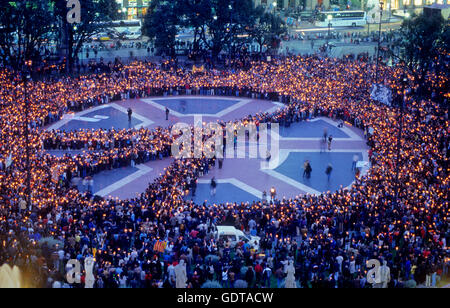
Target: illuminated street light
<point>379,40</point>
<point>329,18</point>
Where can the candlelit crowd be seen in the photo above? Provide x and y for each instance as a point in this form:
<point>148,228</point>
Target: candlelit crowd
<point>399,217</point>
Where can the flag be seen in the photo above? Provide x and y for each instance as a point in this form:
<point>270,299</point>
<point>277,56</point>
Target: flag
<point>160,246</point>
<point>8,161</point>
<point>381,93</point>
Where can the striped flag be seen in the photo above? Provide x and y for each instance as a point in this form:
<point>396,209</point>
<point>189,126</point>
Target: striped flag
<point>8,161</point>
<point>160,246</point>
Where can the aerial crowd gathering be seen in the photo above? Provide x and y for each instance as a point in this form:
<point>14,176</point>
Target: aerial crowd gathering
<point>396,213</point>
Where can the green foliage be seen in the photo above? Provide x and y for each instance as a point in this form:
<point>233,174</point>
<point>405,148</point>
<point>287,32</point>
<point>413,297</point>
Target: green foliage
<point>268,30</point>
<point>214,23</point>
<point>161,24</point>
<point>24,25</point>
<point>110,9</point>
<point>424,45</point>
<point>94,17</point>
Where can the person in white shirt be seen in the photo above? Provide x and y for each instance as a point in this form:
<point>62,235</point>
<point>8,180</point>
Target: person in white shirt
<point>339,260</point>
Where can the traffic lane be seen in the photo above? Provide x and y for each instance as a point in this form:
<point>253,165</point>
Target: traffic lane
<point>371,27</point>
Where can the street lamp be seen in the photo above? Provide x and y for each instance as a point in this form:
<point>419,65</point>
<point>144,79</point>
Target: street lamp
<point>389,10</point>
<point>401,99</point>
<point>230,7</point>
<point>379,40</point>
<point>329,18</point>
<point>26,75</point>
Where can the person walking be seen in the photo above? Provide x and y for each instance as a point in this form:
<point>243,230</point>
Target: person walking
<point>325,134</point>
<point>88,183</point>
<point>130,114</point>
<point>193,187</point>
<point>355,161</point>
<point>323,145</point>
<point>328,171</point>
<point>167,114</point>
<point>267,275</point>
<point>307,169</point>
<point>213,187</point>
<point>330,139</point>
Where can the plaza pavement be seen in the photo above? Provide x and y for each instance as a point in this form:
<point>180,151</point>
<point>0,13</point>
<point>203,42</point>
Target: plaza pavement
<point>240,179</point>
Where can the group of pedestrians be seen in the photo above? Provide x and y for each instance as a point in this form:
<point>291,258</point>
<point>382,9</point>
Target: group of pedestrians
<point>397,217</point>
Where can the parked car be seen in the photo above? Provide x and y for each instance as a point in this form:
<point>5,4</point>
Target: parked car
<point>234,236</point>
<point>306,16</point>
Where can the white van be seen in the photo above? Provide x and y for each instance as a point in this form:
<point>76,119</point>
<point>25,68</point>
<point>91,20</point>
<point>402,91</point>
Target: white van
<point>234,236</point>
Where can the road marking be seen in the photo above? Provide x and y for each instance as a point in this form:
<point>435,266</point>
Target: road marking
<point>291,182</point>
<point>96,118</point>
<point>239,104</point>
<point>238,184</point>
<point>143,170</point>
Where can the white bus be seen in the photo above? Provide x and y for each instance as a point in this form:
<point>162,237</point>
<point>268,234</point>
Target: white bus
<point>129,29</point>
<point>341,19</point>
<point>124,29</point>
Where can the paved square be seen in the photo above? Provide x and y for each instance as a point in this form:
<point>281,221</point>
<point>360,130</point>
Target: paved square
<point>197,106</point>
<point>341,175</point>
<point>101,118</point>
<point>241,180</point>
<point>225,192</point>
<point>311,129</point>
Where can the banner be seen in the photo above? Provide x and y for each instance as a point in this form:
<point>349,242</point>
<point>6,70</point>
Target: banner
<point>8,161</point>
<point>381,93</point>
<point>160,246</point>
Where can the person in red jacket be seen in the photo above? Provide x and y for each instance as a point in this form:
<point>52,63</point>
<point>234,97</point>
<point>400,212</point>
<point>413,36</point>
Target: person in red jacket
<point>258,273</point>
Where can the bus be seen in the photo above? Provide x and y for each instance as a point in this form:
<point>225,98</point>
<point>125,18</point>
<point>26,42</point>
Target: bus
<point>341,19</point>
<point>123,29</point>
<point>128,29</point>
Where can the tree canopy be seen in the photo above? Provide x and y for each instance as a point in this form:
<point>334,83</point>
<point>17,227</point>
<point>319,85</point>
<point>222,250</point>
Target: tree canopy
<point>24,27</point>
<point>27,25</point>
<point>424,48</point>
<point>215,24</point>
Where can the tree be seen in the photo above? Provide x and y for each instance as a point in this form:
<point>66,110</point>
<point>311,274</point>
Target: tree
<point>24,27</point>
<point>424,45</point>
<point>111,9</point>
<point>197,13</point>
<point>230,19</point>
<point>268,30</point>
<point>215,23</point>
<point>95,15</point>
<point>161,24</point>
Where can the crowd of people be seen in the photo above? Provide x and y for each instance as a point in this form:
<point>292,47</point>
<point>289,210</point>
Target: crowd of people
<point>397,212</point>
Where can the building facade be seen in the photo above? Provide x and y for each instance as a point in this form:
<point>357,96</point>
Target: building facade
<point>135,9</point>
<point>326,4</point>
